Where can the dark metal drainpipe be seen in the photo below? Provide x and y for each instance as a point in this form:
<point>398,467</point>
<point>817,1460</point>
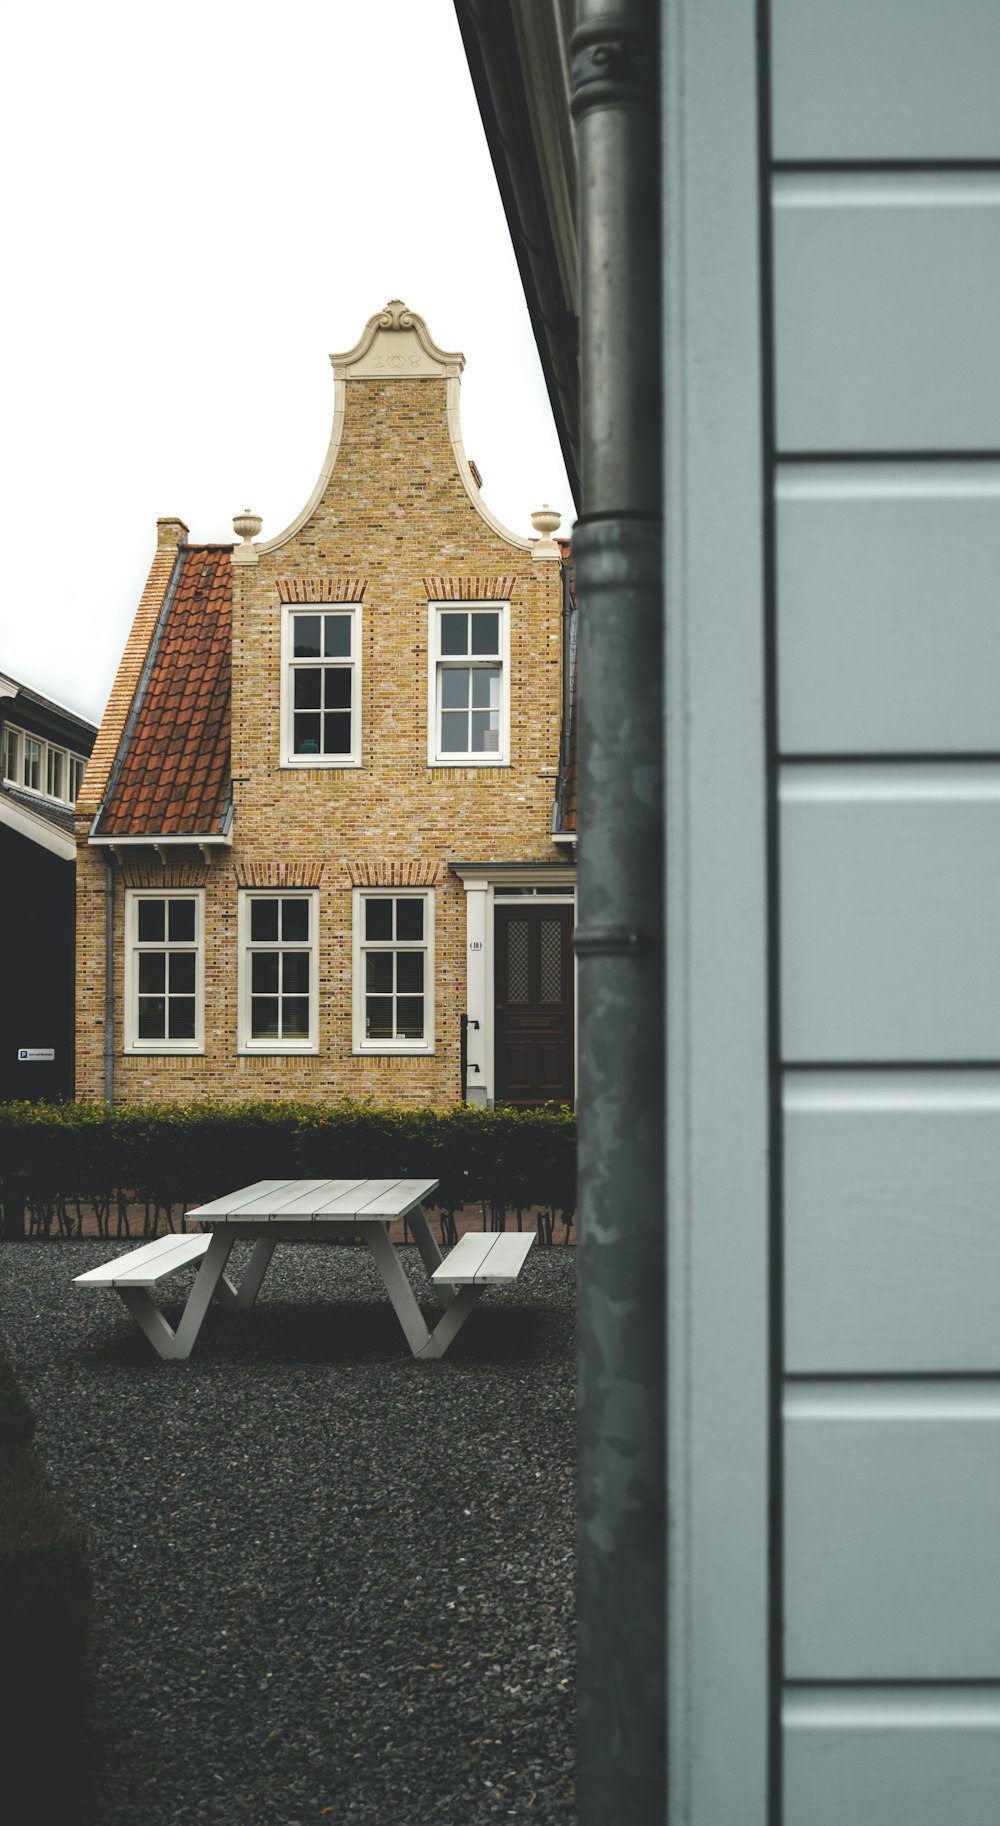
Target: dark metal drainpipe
<point>617,555</point>
<point>109,978</point>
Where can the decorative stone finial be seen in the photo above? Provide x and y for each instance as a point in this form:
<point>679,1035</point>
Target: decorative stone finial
<point>247,525</point>
<point>396,316</point>
<point>545,520</point>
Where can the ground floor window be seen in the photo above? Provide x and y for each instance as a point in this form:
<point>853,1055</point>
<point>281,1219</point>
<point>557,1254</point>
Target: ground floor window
<point>393,971</point>
<point>279,947</point>
<point>164,971</point>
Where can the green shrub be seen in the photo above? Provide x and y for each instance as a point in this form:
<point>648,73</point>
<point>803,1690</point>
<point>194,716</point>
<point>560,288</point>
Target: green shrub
<point>63,1155</point>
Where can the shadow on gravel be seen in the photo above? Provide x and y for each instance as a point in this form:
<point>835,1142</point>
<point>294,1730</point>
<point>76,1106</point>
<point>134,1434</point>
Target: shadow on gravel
<point>351,1333</point>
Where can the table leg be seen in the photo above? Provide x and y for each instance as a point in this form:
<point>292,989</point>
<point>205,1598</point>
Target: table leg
<point>430,1253</point>
<point>245,1294</point>
<point>422,1341</point>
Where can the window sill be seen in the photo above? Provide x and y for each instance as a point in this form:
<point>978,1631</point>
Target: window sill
<point>277,1052</point>
<point>390,1050</point>
<point>325,762</point>
<point>468,760</point>
<point>163,1051</point>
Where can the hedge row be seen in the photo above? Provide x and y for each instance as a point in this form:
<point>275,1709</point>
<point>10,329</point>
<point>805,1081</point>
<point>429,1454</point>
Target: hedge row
<point>45,1603</point>
<point>64,1157</point>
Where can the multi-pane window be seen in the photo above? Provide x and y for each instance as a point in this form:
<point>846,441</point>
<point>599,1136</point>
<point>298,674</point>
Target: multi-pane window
<point>278,942</point>
<point>41,767</point>
<point>468,709</point>
<point>322,687</point>
<point>393,972</point>
<point>31,764</point>
<point>164,971</point>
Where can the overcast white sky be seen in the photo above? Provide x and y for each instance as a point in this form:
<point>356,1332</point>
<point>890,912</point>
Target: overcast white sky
<point>202,201</point>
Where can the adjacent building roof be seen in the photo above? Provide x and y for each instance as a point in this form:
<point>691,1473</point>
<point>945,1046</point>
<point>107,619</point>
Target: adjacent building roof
<point>171,776</point>
<point>518,54</point>
<point>45,821</point>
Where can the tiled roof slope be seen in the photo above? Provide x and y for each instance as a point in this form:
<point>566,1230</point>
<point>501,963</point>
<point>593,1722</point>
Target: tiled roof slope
<point>127,678</point>
<point>172,778</point>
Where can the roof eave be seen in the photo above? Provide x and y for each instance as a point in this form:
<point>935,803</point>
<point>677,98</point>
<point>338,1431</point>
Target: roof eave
<point>518,57</point>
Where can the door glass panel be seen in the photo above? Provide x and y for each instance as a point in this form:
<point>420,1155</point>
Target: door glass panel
<point>551,957</point>
<point>517,960</point>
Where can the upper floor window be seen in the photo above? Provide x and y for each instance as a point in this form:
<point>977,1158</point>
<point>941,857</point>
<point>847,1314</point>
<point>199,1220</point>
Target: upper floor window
<point>393,971</point>
<point>321,687</point>
<point>164,971</point>
<point>469,691</point>
<point>279,972</point>
<point>38,766</point>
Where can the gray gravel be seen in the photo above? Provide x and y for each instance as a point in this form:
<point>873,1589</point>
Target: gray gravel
<point>332,1583</point>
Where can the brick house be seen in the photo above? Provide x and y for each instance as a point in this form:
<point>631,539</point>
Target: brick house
<point>330,808</point>
<point>43,754</point>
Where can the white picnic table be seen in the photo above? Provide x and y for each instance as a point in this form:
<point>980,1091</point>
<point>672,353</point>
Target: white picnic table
<point>273,1211</point>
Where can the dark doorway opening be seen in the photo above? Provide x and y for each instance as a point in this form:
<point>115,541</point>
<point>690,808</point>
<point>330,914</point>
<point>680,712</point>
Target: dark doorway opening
<point>534,1005</point>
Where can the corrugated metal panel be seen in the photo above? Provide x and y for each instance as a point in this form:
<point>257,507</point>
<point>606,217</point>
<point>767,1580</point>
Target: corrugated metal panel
<point>892,1531</point>
<point>892,1221</point>
<point>888,630</point>
<point>886,81</point>
<point>887,333</point>
<point>895,1756</point>
<point>890,892</point>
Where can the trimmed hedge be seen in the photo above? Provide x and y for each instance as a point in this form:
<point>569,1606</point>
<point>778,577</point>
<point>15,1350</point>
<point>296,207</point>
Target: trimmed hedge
<point>64,1156</point>
<point>46,1607</point>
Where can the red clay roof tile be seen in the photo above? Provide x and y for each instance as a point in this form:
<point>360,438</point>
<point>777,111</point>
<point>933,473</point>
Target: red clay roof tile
<point>175,772</point>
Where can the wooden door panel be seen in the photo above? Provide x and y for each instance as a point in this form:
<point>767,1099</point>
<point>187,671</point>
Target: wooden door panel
<point>534,1005</point>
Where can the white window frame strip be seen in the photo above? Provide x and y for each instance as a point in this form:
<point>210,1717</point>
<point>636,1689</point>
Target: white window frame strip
<point>247,1046</point>
<point>353,612</point>
<point>438,662</point>
<point>45,749</point>
<point>360,947</point>
<point>134,947</point>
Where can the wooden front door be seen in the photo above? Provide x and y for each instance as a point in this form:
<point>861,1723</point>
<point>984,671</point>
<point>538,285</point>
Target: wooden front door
<point>534,1004</point>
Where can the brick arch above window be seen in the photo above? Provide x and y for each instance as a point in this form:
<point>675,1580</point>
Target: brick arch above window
<point>421,872</point>
<point>322,589</point>
<point>278,874</point>
<point>469,589</point>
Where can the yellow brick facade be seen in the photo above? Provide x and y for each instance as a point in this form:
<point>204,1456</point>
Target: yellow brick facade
<point>396,521</point>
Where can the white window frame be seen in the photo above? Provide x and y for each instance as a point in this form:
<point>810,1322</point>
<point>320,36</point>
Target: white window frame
<point>361,947</point>
<point>14,746</point>
<point>134,947</point>
<point>246,1044</point>
<point>439,663</point>
<point>352,612</point>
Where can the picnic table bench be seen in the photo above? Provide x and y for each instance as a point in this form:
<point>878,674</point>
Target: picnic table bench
<point>320,1211</point>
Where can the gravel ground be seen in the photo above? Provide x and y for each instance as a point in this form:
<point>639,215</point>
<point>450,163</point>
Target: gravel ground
<point>332,1582</point>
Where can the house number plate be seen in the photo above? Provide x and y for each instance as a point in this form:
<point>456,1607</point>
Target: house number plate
<point>475,944</point>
